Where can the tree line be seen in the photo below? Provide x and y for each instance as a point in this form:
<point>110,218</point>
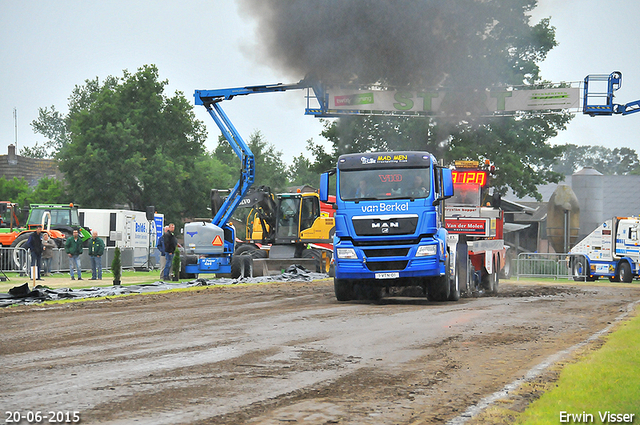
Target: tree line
<point>125,143</point>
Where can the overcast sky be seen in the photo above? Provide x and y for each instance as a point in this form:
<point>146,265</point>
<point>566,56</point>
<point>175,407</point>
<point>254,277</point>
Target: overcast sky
<point>46,48</point>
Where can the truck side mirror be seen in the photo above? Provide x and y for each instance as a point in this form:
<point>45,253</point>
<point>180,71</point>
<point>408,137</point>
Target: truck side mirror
<point>447,183</point>
<point>496,200</point>
<point>324,187</point>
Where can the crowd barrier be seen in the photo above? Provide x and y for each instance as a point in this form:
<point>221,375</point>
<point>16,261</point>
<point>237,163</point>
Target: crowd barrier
<point>557,266</point>
<point>19,260</point>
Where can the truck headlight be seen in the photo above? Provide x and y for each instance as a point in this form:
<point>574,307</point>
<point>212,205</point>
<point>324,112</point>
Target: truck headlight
<point>346,253</point>
<point>425,250</point>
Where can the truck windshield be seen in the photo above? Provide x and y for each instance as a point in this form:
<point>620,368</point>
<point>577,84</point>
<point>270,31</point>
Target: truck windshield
<point>466,194</point>
<point>382,184</point>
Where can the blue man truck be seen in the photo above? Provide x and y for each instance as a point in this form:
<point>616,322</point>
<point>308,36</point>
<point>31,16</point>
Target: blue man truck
<point>389,225</point>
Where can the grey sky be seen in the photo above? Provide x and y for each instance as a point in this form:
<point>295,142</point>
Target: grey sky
<point>46,48</point>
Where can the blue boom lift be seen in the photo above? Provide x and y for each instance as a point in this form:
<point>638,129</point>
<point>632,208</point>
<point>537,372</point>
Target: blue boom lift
<point>596,101</point>
<point>209,246</point>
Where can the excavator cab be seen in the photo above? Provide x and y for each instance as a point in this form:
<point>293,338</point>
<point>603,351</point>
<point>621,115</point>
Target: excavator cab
<point>288,218</point>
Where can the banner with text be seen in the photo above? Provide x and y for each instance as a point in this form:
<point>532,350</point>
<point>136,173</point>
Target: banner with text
<point>433,102</point>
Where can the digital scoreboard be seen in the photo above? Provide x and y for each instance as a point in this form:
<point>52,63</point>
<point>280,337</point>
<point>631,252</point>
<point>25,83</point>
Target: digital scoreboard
<point>478,177</point>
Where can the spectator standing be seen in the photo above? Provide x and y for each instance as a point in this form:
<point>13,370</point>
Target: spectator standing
<point>35,247</point>
<point>73,248</point>
<point>48,245</point>
<point>96,250</point>
<point>160,247</point>
<point>170,244</point>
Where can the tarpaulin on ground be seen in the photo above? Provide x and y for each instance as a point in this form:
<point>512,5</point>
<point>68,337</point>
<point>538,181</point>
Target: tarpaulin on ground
<point>24,295</point>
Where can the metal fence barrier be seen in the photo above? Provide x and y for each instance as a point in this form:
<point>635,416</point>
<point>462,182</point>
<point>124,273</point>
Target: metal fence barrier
<point>557,266</point>
<point>19,260</point>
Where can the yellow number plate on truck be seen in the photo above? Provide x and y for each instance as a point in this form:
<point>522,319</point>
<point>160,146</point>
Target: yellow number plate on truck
<point>388,275</point>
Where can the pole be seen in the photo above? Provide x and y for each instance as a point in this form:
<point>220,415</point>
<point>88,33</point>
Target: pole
<point>15,125</point>
<point>566,230</point>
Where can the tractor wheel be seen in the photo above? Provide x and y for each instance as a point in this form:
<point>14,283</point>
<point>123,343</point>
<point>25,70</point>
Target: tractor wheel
<point>317,256</point>
<point>251,250</point>
<point>20,257</point>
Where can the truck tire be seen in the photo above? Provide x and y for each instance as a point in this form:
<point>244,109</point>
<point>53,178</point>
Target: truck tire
<point>343,289</point>
<point>507,271</point>
<point>490,281</point>
<point>439,287</point>
<point>454,290</point>
<point>457,281</point>
<point>624,273</point>
<point>578,269</point>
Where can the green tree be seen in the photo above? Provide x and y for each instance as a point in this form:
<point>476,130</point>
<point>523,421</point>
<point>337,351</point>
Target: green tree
<point>47,191</point>
<point>270,168</point>
<point>301,173</point>
<point>618,161</point>
<point>54,127</point>
<point>13,190</point>
<point>129,143</point>
<point>37,151</point>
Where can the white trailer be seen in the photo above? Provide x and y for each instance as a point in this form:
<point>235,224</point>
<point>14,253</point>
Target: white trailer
<point>612,250</point>
<point>123,229</point>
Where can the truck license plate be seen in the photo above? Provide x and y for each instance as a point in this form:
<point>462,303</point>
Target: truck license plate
<point>388,275</point>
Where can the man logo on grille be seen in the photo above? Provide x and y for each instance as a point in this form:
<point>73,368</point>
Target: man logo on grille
<point>384,225</point>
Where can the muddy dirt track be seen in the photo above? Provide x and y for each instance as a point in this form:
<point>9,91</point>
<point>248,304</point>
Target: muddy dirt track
<point>287,353</point>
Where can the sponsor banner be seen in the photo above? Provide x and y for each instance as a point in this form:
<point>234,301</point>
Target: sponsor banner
<point>462,211</point>
<point>434,101</point>
<point>468,226</point>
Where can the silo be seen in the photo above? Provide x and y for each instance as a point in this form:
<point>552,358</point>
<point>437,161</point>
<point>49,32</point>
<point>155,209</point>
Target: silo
<point>563,219</point>
<point>588,187</point>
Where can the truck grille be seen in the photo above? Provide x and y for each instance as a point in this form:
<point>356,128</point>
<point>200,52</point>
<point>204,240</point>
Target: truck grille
<point>376,226</point>
<point>379,266</point>
<point>388,252</point>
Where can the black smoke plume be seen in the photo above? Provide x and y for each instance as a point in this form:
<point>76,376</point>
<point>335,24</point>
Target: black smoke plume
<point>467,44</point>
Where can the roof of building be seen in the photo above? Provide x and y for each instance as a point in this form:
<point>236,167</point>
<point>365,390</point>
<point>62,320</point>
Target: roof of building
<point>31,169</point>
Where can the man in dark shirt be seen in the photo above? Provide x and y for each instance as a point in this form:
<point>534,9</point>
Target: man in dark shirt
<point>170,244</point>
<point>35,247</point>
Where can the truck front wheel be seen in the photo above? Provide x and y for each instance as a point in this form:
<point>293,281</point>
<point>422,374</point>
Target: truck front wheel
<point>439,288</point>
<point>343,289</point>
<point>624,273</point>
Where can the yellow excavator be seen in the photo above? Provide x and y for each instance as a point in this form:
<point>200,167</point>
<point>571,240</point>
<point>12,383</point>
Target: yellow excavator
<point>285,229</point>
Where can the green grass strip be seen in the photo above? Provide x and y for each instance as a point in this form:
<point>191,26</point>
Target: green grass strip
<point>605,381</point>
